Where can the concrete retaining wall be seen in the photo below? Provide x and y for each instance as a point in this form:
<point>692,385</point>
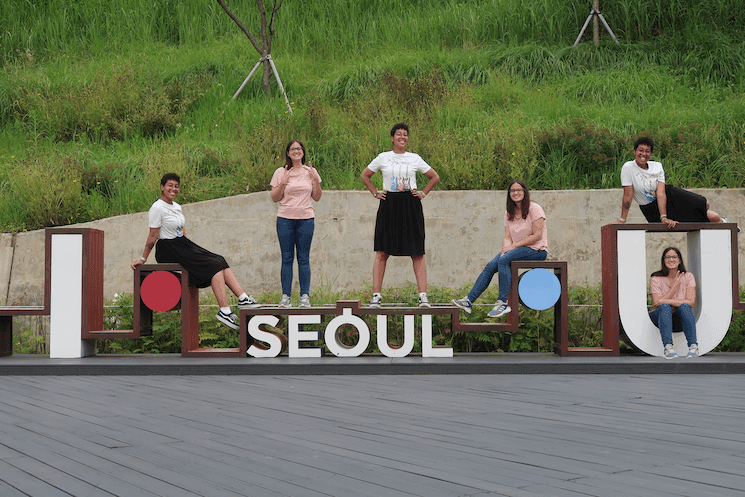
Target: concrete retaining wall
<point>464,231</point>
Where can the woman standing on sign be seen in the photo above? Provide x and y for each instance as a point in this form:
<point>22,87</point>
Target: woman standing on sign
<point>293,186</point>
<point>525,239</point>
<point>399,227</point>
<point>168,236</point>
<point>644,181</point>
<point>673,292</point>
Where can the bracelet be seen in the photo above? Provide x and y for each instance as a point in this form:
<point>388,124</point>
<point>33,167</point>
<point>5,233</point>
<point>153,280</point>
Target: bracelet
<point>143,259</point>
<point>621,220</point>
<point>375,194</point>
<point>663,216</point>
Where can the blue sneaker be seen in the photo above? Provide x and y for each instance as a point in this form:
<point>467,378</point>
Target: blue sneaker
<point>463,303</point>
<point>500,309</point>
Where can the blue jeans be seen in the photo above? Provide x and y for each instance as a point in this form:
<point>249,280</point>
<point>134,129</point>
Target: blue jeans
<point>662,317</point>
<point>292,234</point>
<point>501,264</point>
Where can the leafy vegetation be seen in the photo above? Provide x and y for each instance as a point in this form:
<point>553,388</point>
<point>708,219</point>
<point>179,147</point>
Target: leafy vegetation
<point>99,99</point>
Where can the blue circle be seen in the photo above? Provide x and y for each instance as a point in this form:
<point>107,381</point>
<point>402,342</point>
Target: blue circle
<point>539,289</point>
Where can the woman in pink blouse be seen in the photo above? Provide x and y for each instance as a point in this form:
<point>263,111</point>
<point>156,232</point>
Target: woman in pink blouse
<point>293,186</point>
<point>673,292</point>
<point>525,239</point>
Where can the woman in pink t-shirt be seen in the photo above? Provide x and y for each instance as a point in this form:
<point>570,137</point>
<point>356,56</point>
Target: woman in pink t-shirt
<point>293,186</point>
<point>673,292</point>
<point>525,239</point>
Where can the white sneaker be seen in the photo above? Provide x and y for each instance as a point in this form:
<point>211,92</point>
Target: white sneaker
<point>669,352</point>
<point>424,301</point>
<point>285,302</point>
<point>305,300</point>
<point>692,351</point>
<point>376,301</point>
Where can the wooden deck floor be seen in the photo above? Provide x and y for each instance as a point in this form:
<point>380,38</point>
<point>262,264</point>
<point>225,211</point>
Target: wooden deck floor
<point>348,436</point>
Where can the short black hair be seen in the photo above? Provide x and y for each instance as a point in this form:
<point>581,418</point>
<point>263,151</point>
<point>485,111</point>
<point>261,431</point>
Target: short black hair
<point>168,176</point>
<point>398,126</point>
<point>644,140</point>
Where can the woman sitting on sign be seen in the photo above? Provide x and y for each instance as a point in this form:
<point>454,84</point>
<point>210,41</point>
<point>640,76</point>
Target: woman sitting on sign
<point>673,292</point>
<point>644,181</point>
<point>205,269</point>
<point>525,239</point>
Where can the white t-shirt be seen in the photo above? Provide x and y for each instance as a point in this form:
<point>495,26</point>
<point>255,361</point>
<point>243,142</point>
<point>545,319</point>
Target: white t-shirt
<point>167,217</point>
<point>644,181</point>
<point>399,170</point>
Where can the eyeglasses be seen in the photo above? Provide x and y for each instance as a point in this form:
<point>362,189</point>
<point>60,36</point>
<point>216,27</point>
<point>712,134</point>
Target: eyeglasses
<point>515,190</point>
<point>671,257</point>
<point>295,149</point>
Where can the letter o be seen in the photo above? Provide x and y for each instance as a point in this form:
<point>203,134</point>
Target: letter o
<point>332,339</point>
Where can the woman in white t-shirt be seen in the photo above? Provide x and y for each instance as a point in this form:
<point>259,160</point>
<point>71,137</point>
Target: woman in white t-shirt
<point>644,181</point>
<point>168,236</point>
<point>399,226</point>
<point>673,292</point>
<point>525,239</point>
<point>293,186</point>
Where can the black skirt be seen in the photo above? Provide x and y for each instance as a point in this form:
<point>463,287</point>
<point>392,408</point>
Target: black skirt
<point>399,227</point>
<point>682,206</point>
<point>201,264</point>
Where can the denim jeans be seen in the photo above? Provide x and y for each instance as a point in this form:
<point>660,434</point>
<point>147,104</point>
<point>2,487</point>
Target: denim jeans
<point>501,264</point>
<point>663,316</point>
<point>292,234</point>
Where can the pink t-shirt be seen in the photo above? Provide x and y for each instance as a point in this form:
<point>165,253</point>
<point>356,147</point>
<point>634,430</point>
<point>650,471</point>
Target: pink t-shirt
<point>296,201</point>
<point>520,228</point>
<point>661,285</point>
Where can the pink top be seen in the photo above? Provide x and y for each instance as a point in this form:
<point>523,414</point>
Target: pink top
<point>661,285</point>
<point>296,202</point>
<point>520,228</point>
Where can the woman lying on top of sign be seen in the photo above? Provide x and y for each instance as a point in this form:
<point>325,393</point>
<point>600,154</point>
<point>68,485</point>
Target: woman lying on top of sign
<point>525,239</point>
<point>166,221</point>
<point>644,181</point>
<point>673,292</point>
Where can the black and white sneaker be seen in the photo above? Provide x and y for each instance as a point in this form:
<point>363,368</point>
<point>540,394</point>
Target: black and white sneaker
<point>228,319</point>
<point>424,301</point>
<point>376,301</point>
<point>248,303</point>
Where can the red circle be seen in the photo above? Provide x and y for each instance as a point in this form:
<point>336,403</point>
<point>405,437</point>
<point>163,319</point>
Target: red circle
<point>160,290</point>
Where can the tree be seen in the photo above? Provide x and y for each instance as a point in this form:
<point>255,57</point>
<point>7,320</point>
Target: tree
<point>267,32</point>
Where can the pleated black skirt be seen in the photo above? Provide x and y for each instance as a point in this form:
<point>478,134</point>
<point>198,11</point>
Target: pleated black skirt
<point>201,264</point>
<point>399,227</point>
<point>682,206</point>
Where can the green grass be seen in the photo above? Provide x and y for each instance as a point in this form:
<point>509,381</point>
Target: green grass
<point>98,99</point>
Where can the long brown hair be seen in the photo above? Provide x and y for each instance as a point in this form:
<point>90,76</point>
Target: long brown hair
<point>664,271</point>
<point>288,161</point>
<point>512,206</point>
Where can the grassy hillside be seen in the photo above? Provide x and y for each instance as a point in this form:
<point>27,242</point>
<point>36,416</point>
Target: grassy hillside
<point>99,97</point>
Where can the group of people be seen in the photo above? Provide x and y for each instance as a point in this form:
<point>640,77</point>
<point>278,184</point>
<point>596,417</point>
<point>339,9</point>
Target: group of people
<point>399,231</point>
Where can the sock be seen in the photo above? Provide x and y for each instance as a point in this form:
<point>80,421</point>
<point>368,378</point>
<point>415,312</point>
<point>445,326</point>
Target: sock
<point>242,296</point>
<point>225,310</point>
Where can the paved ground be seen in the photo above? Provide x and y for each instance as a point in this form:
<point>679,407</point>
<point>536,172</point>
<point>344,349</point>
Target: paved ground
<point>369,435</point>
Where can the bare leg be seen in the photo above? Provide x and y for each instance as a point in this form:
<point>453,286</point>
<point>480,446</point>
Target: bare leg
<point>714,217</point>
<point>218,288</point>
<point>420,272</point>
<point>381,258</point>
<point>232,282</point>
